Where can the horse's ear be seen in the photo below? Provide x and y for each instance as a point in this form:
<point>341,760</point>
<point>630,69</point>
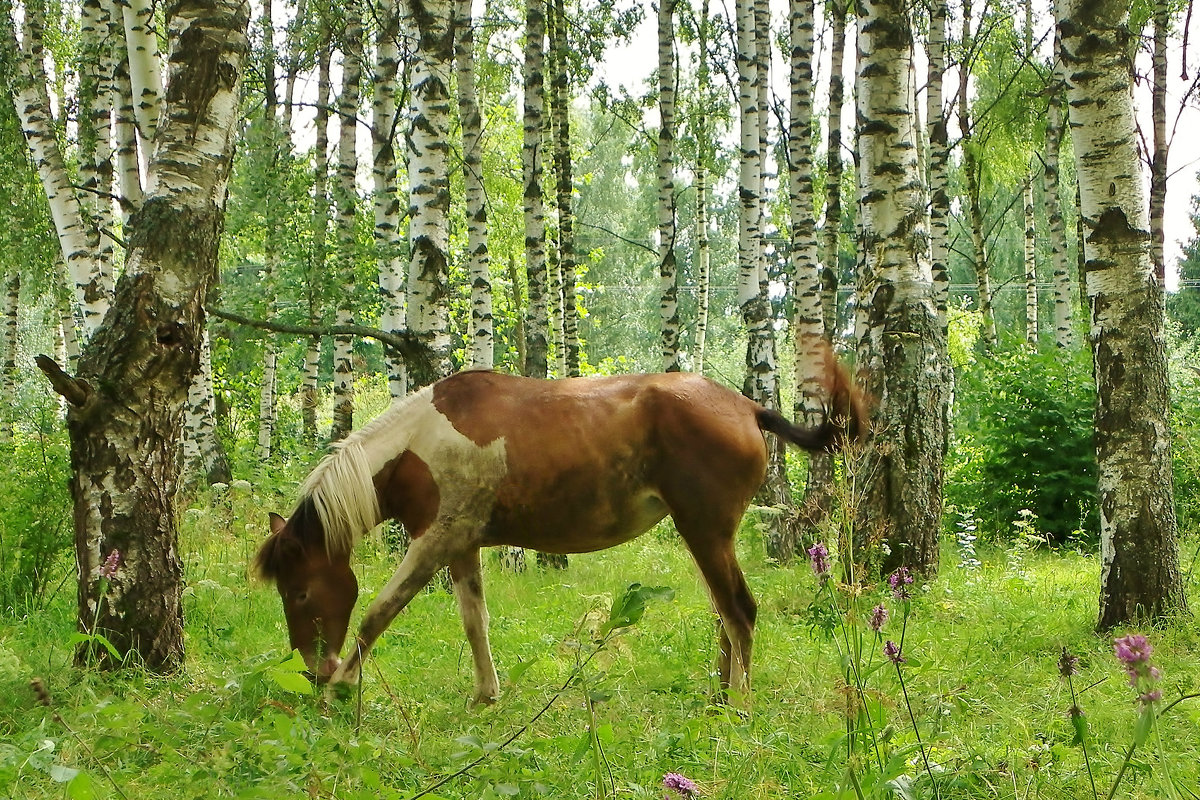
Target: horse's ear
<point>280,548</point>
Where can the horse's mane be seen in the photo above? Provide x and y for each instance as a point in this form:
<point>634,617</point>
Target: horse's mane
<point>342,487</point>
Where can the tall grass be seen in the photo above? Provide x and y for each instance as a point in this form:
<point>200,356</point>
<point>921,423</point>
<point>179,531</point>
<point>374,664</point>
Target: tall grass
<point>983,682</point>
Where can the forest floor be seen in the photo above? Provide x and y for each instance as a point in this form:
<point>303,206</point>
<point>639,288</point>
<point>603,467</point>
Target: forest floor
<point>982,680</point>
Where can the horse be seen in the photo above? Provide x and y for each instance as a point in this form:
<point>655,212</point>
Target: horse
<point>573,465</point>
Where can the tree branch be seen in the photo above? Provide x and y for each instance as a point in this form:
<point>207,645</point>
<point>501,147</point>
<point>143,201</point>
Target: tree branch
<point>74,390</point>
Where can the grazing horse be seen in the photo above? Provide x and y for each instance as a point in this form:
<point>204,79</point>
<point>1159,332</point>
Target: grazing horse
<point>562,466</point>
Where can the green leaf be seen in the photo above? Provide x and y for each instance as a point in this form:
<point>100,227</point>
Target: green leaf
<point>82,787</point>
<point>60,773</point>
<point>515,672</point>
<point>1145,724</point>
<point>630,606</point>
<point>292,682</point>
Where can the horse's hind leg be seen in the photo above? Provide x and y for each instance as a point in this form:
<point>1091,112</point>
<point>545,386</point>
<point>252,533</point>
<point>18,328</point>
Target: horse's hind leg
<point>425,556</point>
<point>468,589</point>
<point>714,553</point>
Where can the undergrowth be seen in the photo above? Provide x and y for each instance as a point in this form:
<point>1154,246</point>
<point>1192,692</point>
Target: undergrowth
<point>588,713</point>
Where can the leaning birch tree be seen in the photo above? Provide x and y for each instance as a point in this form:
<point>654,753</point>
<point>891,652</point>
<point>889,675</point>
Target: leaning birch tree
<point>1139,561</point>
<point>903,350</point>
<point>125,404</point>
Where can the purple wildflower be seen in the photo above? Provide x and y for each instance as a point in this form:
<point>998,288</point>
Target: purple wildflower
<point>818,556</point>
<point>1068,664</point>
<point>879,615</point>
<point>684,787</point>
<point>899,581</point>
<point>892,651</point>
<point>1132,650</point>
<point>1152,696</point>
<point>108,570</point>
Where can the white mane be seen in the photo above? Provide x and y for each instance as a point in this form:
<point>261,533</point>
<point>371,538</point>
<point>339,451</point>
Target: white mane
<point>342,486</point>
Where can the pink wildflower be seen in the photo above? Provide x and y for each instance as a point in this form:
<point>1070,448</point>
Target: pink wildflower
<point>683,787</point>
<point>108,570</point>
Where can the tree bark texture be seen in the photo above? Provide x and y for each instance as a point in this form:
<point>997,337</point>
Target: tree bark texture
<point>1140,577</point>
<point>1064,334</point>
<point>564,189</point>
<point>537,319</point>
<point>903,351</point>
<point>127,403</point>
<point>668,304</point>
<point>388,234</point>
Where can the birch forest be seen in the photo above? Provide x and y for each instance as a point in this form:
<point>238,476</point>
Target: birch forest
<point>233,233</point>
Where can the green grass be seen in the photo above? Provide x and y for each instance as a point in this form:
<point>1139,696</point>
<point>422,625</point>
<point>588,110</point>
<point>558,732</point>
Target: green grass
<point>983,683</point>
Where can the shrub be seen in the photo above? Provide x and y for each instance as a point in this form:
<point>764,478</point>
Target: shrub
<point>1023,441</point>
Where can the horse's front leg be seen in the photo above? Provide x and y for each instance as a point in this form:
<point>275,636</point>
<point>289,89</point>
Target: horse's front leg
<point>468,589</point>
<point>426,555</point>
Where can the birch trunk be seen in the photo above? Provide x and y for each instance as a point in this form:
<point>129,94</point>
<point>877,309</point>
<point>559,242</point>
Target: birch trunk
<point>389,237</point>
<point>78,240</point>
<point>346,201</point>
<point>667,277</point>
<point>1158,120</point>
<point>1140,577</point>
<point>564,193</point>
<point>808,323</point>
<point>939,162</point>
<point>704,159</point>
<point>94,129</point>
<point>429,183</point>
<point>1030,261</point>
<point>274,153</point>
<point>126,406</point>
<point>203,453</point>
<point>537,320</point>
<point>128,164</point>
<point>971,167</point>
<point>8,358</point>
<point>320,229</point>
<point>141,38</point>
<point>903,352</point>
<point>478,260</point>
<point>1064,334</point>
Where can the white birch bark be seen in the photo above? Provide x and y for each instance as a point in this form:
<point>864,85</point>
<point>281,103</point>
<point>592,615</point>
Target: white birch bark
<point>482,348</point>
<point>346,202</point>
<point>667,274</point>
<point>1161,145</point>
<point>560,84</point>
<point>203,455</point>
<point>904,351</point>
<point>1139,562</point>
<point>537,320</point>
<point>77,239</point>
<point>128,164</point>
<point>703,166</point>
<point>1030,262</point>
<point>389,237</point>
<point>429,182</point>
<point>939,161</point>
<point>808,322</point>
<point>971,168</point>
<point>144,71</point>
<point>8,356</point>
<point>94,133</point>
<point>1064,334</point>
<point>319,223</point>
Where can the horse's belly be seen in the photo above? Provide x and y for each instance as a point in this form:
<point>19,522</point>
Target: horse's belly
<point>577,527</point>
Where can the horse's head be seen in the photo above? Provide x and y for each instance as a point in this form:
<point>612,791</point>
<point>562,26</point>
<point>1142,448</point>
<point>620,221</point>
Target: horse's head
<point>318,588</point>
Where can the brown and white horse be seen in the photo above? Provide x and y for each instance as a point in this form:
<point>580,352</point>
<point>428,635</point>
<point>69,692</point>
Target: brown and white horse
<point>564,466</point>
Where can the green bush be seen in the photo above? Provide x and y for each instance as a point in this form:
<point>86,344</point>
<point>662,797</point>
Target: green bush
<point>1023,440</point>
<point>35,521</point>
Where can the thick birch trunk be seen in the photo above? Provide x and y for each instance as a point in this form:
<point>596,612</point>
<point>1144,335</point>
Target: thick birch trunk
<point>346,201</point>
<point>1140,577</point>
<point>668,303</point>
<point>537,319</point>
<point>904,351</point>
<point>127,405</point>
<point>478,262</point>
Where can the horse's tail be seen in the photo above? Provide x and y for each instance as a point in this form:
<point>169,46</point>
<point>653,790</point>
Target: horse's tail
<point>845,413</point>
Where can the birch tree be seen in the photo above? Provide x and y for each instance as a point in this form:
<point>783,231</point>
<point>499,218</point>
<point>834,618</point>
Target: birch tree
<point>537,319</point>
<point>1064,334</point>
<point>389,236</point>
<point>126,403</point>
<point>346,201</point>
<point>429,182</point>
<point>667,272</point>
<point>704,158</point>
<point>903,350</point>
<point>564,190</point>
<point>939,161</point>
<point>482,339</point>
<point>319,224</point>
<point>1139,561</point>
